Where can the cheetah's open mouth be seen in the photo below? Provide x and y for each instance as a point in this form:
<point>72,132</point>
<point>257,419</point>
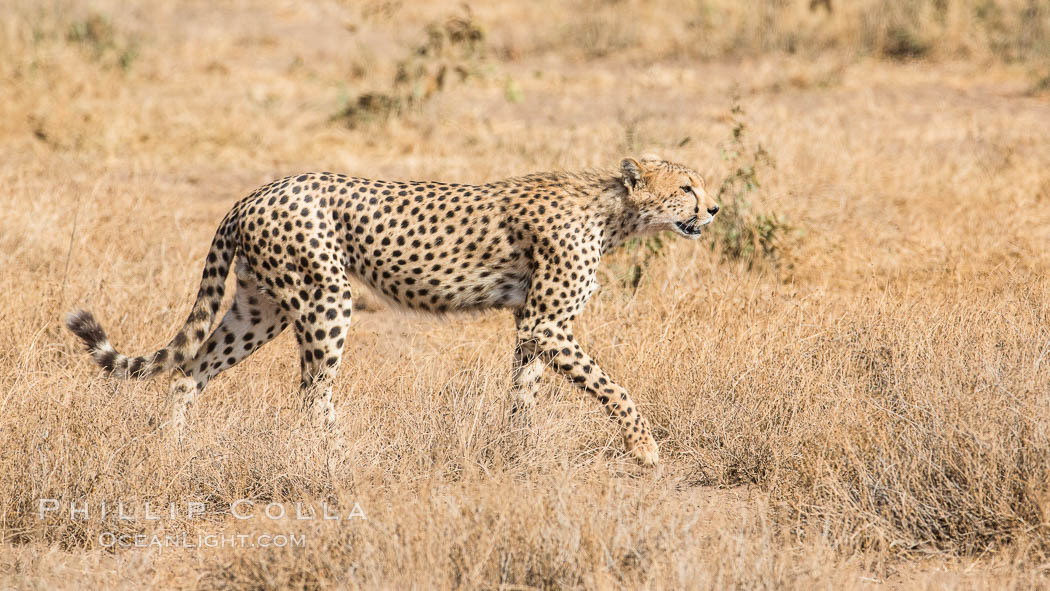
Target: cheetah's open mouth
<point>691,228</point>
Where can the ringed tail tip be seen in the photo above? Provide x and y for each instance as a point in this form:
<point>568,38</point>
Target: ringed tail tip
<point>83,324</point>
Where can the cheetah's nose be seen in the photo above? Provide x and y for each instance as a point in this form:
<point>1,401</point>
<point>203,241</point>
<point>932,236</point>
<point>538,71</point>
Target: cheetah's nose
<point>712,210</point>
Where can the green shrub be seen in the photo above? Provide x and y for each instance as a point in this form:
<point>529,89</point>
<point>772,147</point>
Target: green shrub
<point>742,231</point>
<point>102,40</point>
<point>451,49</point>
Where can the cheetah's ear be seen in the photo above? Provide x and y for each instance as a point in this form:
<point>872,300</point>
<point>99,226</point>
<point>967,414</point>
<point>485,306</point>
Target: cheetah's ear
<point>632,173</point>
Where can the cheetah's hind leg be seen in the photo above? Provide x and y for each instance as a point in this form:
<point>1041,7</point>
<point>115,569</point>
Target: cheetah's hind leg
<point>321,330</point>
<point>526,370</point>
<point>253,320</point>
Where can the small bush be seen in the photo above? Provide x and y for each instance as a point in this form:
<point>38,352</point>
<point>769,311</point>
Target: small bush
<point>743,232</point>
<point>451,49</point>
<point>1041,86</point>
<point>102,40</point>
<point>903,43</point>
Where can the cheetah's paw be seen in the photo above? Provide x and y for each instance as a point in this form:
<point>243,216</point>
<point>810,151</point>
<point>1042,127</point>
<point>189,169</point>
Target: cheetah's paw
<point>644,450</point>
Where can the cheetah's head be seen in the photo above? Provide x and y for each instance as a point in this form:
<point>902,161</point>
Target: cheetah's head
<point>668,196</point>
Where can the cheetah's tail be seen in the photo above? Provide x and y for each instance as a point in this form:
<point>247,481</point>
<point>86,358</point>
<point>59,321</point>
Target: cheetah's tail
<point>189,339</point>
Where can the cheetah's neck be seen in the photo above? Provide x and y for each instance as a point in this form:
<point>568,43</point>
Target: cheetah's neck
<point>618,220</point>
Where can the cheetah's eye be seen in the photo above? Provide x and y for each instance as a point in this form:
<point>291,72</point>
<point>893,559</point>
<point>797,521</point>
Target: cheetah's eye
<point>687,189</point>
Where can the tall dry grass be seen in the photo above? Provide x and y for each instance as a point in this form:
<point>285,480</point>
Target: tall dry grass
<point>872,411</point>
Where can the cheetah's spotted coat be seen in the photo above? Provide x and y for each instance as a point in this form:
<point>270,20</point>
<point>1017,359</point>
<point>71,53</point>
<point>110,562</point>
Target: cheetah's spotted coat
<point>530,244</point>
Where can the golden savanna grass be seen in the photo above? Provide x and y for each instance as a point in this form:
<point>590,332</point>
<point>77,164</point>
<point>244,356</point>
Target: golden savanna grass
<point>871,409</point>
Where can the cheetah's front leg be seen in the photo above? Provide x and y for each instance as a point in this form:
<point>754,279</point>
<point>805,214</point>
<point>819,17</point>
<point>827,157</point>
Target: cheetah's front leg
<point>560,349</point>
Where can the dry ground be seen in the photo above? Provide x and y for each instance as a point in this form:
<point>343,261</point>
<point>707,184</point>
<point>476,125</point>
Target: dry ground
<point>872,412</point>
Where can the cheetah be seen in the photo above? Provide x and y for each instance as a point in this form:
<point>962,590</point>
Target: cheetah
<point>528,244</point>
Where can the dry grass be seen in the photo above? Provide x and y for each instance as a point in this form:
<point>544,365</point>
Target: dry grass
<point>871,412</point>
